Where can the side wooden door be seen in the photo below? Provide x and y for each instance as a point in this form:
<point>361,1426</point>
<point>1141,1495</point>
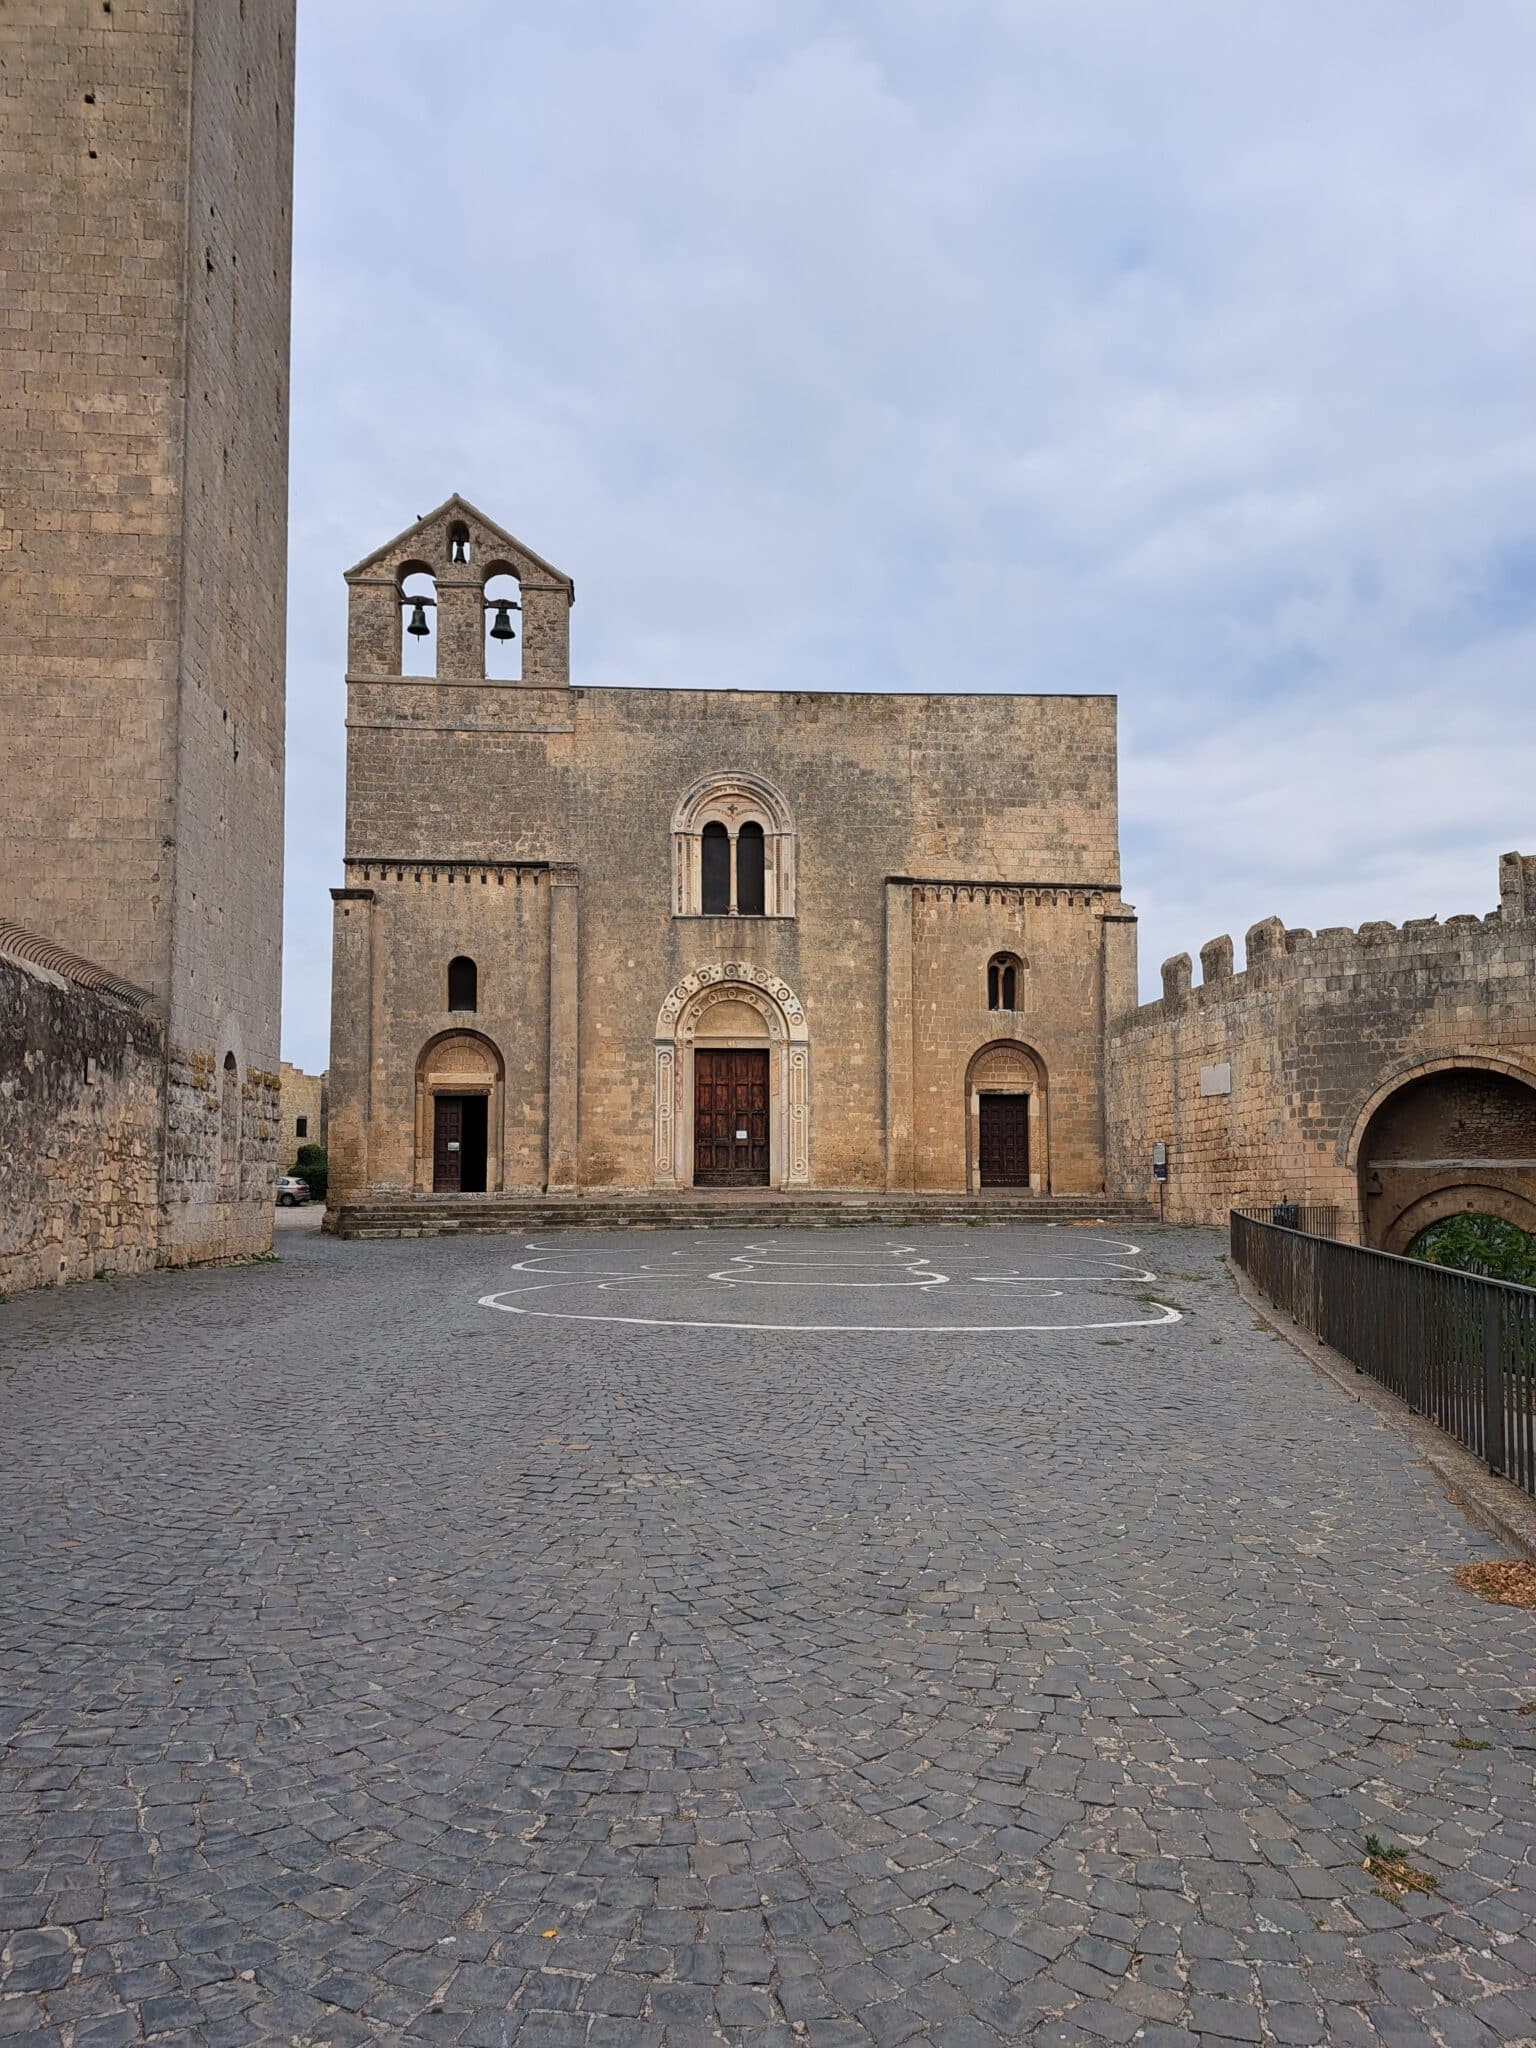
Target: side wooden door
<point>447,1144</point>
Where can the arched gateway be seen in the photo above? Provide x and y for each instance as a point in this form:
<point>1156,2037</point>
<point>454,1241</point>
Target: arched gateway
<point>1449,1137</point>
<point>733,1081</point>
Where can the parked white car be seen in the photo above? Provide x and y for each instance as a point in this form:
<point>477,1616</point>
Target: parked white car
<point>291,1191</point>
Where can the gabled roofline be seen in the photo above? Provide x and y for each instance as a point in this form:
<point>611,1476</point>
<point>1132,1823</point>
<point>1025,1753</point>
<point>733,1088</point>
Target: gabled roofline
<point>456,503</point>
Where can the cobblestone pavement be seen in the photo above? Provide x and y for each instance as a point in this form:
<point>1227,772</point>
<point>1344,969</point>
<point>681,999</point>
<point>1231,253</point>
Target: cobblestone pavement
<point>826,1652</point>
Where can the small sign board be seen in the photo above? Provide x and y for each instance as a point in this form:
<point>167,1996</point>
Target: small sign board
<point>1159,1161</point>
<point>1216,1080</point>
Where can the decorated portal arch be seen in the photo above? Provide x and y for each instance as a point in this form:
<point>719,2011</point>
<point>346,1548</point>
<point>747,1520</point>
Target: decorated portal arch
<point>733,1006</point>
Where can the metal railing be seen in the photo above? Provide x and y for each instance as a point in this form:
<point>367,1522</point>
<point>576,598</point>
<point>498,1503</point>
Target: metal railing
<point>1313,1219</point>
<point>1458,1349</point>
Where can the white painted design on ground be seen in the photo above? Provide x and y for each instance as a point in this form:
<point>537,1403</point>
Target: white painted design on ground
<point>572,1276</point>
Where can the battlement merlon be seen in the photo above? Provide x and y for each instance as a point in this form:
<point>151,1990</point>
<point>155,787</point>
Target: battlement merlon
<point>1270,943</point>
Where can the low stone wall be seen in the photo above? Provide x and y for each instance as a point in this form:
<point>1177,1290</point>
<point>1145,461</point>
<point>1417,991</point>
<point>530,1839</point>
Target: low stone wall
<point>81,1097</point>
<point>1263,1083</point>
<point>220,1161</point>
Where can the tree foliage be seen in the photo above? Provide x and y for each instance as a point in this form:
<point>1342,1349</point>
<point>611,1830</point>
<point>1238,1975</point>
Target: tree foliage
<point>310,1167</point>
<point>1479,1244</point>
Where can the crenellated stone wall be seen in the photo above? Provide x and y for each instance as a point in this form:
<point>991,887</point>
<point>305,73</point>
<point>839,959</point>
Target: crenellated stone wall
<point>1268,1081</point>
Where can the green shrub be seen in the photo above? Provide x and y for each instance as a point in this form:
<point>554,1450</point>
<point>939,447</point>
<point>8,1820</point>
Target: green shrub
<point>1479,1244</point>
<point>310,1166</point>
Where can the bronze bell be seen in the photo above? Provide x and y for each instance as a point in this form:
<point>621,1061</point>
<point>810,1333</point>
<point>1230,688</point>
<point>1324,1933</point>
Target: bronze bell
<point>501,625</point>
<point>460,549</point>
<point>418,625</point>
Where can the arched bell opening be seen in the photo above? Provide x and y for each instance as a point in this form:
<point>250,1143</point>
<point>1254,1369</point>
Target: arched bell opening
<point>503,595</point>
<point>418,620</point>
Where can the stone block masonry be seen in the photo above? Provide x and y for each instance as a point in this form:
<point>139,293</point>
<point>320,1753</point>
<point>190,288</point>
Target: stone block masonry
<point>1390,1071</point>
<point>304,1100</point>
<point>555,839</point>
<point>145,187</point>
<point>82,1066</point>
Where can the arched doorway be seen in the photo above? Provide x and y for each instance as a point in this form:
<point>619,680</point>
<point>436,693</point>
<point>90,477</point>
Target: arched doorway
<point>1461,1139</point>
<point>458,1115</point>
<point>1007,1126</point>
<point>733,1093</point>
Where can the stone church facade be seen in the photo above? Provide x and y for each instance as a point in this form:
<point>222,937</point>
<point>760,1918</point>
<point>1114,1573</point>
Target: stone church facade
<point>599,938</point>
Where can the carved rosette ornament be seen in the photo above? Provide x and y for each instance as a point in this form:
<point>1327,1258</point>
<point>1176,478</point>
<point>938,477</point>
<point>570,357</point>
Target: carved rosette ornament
<point>741,975</point>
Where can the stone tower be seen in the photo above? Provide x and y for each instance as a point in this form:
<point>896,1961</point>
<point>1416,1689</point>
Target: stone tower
<point>145,185</point>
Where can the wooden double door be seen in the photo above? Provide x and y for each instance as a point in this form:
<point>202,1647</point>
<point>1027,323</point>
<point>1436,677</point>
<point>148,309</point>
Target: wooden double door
<point>730,1119</point>
<point>1004,1141</point>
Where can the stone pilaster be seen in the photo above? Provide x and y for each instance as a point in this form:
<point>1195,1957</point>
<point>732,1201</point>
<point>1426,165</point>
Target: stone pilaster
<point>351,1041</point>
<point>898,1033</point>
<point>564,1025</point>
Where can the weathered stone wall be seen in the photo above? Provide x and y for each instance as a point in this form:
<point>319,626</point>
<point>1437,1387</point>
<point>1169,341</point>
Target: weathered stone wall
<point>1264,1083</point>
<point>81,1077</point>
<point>1059,1018</point>
<point>93,221</point>
<point>145,174</point>
<point>302,1098</point>
<point>419,916</point>
<point>1014,797</point>
<point>226,906</point>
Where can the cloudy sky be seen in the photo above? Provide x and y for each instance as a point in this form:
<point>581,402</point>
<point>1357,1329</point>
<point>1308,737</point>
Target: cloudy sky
<point>1175,348</point>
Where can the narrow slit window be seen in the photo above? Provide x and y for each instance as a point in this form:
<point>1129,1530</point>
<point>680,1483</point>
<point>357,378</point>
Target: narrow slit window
<point>715,869</point>
<point>463,984</point>
<point>749,870</point>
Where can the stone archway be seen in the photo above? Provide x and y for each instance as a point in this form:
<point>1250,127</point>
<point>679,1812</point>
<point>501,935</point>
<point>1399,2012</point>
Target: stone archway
<point>1445,1141</point>
<point>463,1064</point>
<point>733,1003</point>
<point>1507,1205</point>
<point>1008,1067</point>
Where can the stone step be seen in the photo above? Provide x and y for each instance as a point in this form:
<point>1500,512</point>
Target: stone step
<point>427,1215</point>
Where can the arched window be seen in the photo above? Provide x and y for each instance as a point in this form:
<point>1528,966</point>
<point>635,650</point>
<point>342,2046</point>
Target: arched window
<point>715,870</point>
<point>459,549</point>
<point>749,869</point>
<point>1005,982</point>
<point>503,625</point>
<point>733,850</point>
<point>418,621</point>
<point>463,983</point>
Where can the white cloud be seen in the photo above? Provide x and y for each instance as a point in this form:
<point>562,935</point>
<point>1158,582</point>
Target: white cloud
<point>1176,351</point>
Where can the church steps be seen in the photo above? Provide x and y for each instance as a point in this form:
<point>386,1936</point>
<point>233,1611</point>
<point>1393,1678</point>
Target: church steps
<point>427,1215</point>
